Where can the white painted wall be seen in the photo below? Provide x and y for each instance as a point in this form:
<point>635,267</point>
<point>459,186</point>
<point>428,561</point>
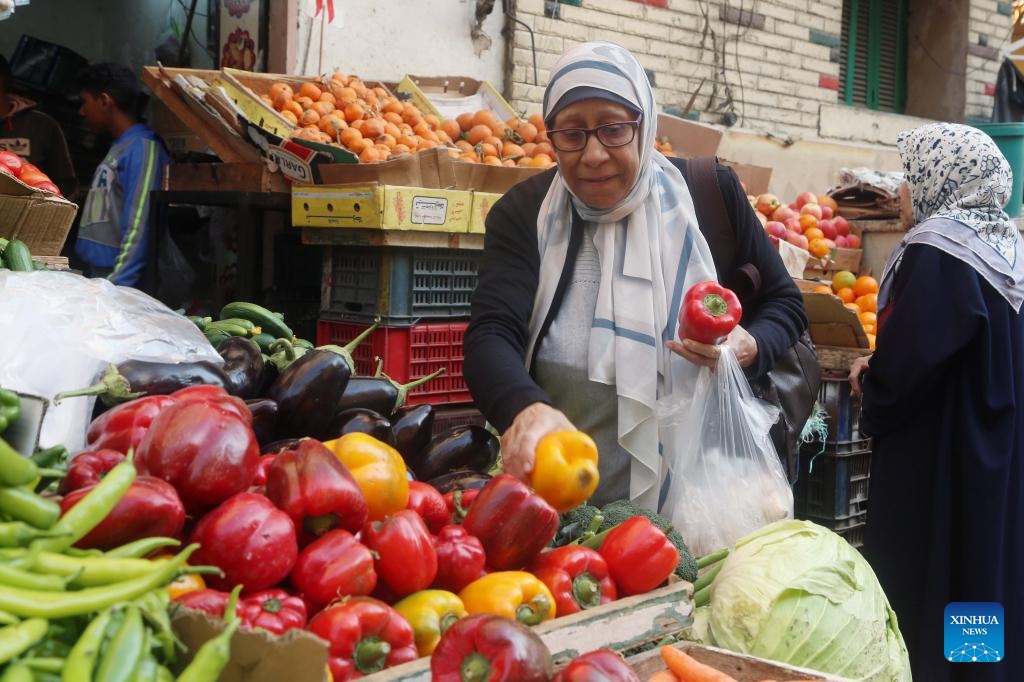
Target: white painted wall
<point>387,39</point>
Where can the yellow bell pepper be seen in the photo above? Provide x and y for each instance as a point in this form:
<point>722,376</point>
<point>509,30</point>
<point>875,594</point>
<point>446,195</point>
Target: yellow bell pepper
<point>378,469</point>
<point>513,594</point>
<point>430,613</point>
<point>565,469</point>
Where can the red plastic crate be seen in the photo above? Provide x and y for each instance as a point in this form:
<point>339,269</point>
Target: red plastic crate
<point>409,353</point>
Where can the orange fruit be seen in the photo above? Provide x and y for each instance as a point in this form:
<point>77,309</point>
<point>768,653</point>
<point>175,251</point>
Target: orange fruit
<point>852,306</point>
<point>462,145</point>
<point>492,161</point>
<point>544,148</point>
<point>846,295</point>
<point>369,155</point>
<point>484,117</point>
<point>871,341</point>
<point>469,156</point>
<point>511,150</point>
<point>527,131</point>
<point>387,140</point>
<point>310,90</point>
<point>465,121</point>
<point>432,121</point>
<point>868,302</point>
<point>478,133</point>
<point>451,127</point>
<point>328,96</point>
<point>529,148</point>
<point>350,137</point>
<point>825,200</point>
<point>541,161</point>
<point>304,102</point>
<point>373,127</point>
<point>346,96</point>
<point>843,279</point>
<point>813,233</point>
<point>487,149</point>
<point>331,124</point>
<point>278,88</point>
<point>354,112</point>
<point>322,107</point>
<point>819,247</point>
<point>309,117</point>
<point>807,221</point>
<point>865,285</point>
<point>822,289</point>
<point>295,108</point>
<point>400,149</point>
<point>867,318</point>
<point>290,116</point>
<point>869,328</point>
<point>537,120</point>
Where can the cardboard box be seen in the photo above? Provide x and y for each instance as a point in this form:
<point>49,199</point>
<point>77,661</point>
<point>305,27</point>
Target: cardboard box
<point>740,667</point>
<point>833,324</point>
<point>40,219</point>
<point>482,202</point>
<point>374,205</point>
<point>449,96</point>
<point>691,139</point>
<point>180,139</point>
<point>837,259</point>
<point>481,177</point>
<point>421,169</point>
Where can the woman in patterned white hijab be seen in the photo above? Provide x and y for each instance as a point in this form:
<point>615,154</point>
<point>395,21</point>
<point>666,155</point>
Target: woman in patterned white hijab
<point>944,401</point>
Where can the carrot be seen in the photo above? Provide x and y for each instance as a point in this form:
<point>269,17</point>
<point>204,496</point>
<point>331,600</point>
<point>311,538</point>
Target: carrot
<point>663,676</point>
<point>690,670</point>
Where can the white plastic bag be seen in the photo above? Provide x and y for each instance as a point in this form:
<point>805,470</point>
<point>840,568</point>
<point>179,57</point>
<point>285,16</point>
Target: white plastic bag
<point>61,331</point>
<point>727,481</point>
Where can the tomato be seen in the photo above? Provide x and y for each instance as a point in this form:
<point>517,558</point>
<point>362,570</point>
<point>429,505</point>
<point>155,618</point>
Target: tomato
<point>33,178</point>
<point>27,167</point>
<point>11,161</point>
<point>48,187</point>
<point>4,170</point>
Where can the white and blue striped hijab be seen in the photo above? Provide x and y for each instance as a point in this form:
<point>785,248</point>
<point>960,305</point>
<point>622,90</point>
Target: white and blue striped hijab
<point>651,252</point>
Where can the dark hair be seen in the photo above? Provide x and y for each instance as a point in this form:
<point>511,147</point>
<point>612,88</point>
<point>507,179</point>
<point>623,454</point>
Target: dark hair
<point>117,81</point>
<point>5,73</point>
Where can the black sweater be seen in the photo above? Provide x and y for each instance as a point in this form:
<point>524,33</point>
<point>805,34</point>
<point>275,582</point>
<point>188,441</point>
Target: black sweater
<point>498,335</point>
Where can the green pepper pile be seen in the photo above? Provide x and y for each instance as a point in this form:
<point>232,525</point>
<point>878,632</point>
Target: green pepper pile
<point>79,615</point>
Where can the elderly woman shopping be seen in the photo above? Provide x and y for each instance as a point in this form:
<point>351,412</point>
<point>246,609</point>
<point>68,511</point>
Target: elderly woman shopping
<point>575,316</point>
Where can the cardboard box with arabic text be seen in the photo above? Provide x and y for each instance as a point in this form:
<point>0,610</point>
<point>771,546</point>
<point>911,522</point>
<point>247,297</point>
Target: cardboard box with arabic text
<point>374,205</point>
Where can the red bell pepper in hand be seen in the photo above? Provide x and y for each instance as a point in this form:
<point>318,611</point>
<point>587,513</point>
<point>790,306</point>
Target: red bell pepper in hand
<point>122,428</point>
<point>315,489</point>
<point>207,454</point>
<point>640,557</point>
<point>459,502</point>
<point>87,468</point>
<point>460,559</point>
<point>489,648</point>
<point>149,508</point>
<point>602,665</point>
<point>249,539</point>
<point>275,611</point>
<point>427,501</point>
<point>334,565</point>
<point>363,636</point>
<point>708,313</point>
<point>577,577</point>
<point>405,559</point>
<point>513,523</point>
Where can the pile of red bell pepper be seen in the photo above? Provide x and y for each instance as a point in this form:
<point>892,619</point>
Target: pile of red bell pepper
<point>334,537</point>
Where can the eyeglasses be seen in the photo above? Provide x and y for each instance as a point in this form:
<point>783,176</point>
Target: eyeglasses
<point>615,134</point>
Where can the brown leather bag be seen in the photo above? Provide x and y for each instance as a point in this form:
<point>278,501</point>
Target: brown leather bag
<point>792,383</point>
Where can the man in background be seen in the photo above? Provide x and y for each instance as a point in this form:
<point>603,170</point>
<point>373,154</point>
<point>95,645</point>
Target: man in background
<point>34,136</point>
<point>114,229</point>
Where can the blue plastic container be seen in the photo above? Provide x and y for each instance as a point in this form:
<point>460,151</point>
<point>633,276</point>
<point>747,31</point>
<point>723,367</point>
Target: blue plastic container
<point>1009,137</point>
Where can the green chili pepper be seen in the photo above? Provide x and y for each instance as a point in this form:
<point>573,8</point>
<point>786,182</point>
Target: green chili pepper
<point>17,639</point>
<point>75,551</point>
<point>85,571</point>
<point>49,457</point>
<point>10,408</point>
<point>8,618</point>
<point>91,509</point>
<point>81,660</point>
<point>35,603</point>
<point>154,609</point>
<point>125,649</point>
<point>25,505</point>
<point>212,657</point>
<point>18,534</point>
<point>18,673</point>
<point>44,664</point>
<point>15,470</point>
<point>16,577</point>
<point>141,548</point>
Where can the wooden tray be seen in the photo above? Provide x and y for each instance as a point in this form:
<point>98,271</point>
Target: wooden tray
<point>839,359</point>
<point>741,667</point>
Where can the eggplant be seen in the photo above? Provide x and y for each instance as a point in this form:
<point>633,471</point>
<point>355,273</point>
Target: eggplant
<point>460,480</point>
<point>362,420</point>
<point>264,418</point>
<point>279,445</point>
<point>379,393</point>
<point>462,448</point>
<point>307,393</point>
<point>243,363</point>
<point>136,378</point>
<point>412,428</point>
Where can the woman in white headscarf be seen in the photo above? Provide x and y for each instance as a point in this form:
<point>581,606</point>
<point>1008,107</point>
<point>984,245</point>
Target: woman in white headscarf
<point>944,400</point>
<point>575,317</point>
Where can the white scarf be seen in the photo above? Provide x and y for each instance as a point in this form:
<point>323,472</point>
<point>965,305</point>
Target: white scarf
<point>651,252</point>
<point>959,182</point>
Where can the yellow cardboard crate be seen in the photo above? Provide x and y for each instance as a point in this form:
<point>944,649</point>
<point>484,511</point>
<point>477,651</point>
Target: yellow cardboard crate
<point>449,96</point>
<point>482,202</point>
<point>389,207</point>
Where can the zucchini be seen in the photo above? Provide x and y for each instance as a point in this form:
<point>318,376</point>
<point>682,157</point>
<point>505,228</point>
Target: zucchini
<point>227,327</point>
<point>245,324</point>
<point>266,320</point>
<point>302,343</point>
<point>18,257</point>
<point>263,340</point>
<point>216,336</point>
<point>38,265</point>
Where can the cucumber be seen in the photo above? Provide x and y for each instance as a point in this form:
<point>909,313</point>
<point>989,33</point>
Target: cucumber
<point>302,343</point>
<point>266,320</point>
<point>248,325</point>
<point>37,265</point>
<point>216,336</point>
<point>263,340</point>
<point>227,328</point>
<point>17,256</point>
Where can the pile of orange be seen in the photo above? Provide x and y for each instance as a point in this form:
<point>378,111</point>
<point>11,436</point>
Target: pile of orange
<point>376,126</point>
<point>859,294</point>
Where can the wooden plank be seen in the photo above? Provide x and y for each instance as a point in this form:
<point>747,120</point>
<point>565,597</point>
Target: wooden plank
<point>741,667</point>
<point>320,236</point>
<point>223,177</point>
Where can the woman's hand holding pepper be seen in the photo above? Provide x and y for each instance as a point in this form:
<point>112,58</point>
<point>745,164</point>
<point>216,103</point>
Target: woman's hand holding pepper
<point>519,442</point>
<point>739,339</point>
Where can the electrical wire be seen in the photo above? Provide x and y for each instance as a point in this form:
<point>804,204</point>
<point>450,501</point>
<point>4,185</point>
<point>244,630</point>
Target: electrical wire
<point>212,54</point>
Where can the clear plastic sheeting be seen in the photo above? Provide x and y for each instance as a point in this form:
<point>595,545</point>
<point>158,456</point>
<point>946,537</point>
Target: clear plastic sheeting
<point>61,330</point>
<point>727,481</point>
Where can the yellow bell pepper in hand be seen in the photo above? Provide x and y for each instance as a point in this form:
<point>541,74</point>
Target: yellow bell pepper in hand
<point>565,469</point>
<point>430,613</point>
<point>379,471</point>
<point>513,594</point>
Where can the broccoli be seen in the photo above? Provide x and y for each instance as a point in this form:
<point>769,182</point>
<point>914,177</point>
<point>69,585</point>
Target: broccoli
<point>621,510</point>
<point>574,523</point>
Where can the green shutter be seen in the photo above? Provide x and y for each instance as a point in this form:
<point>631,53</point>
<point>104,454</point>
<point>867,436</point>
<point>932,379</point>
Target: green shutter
<point>873,46</point>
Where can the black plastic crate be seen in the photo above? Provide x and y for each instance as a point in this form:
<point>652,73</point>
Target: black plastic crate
<point>842,407</point>
<point>833,484</point>
<point>850,528</point>
<point>47,65</point>
<point>400,284</point>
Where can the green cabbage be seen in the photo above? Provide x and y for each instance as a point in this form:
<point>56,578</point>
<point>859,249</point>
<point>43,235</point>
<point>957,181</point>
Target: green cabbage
<point>797,593</point>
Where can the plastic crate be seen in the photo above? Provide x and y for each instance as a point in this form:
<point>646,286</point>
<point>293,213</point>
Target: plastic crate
<point>47,65</point>
<point>409,353</point>
<point>843,410</point>
<point>449,417</point>
<point>850,528</point>
<point>833,485</point>
<point>401,285</point>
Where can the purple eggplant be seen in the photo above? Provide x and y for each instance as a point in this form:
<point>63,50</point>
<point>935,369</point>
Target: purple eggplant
<point>413,428</point>
<point>460,480</point>
<point>264,418</point>
<point>362,420</point>
<point>307,392</point>
<point>243,363</point>
<point>136,378</point>
<point>278,445</point>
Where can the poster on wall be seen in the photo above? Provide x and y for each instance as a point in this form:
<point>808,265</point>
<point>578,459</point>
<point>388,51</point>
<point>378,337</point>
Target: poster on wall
<point>242,31</point>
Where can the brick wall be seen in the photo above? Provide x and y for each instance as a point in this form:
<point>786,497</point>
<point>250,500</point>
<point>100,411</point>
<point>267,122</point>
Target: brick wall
<point>989,30</point>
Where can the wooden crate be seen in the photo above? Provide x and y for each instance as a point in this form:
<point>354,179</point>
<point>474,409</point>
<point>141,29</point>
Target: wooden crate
<point>621,625</point>
<point>839,359</point>
<point>741,667</point>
